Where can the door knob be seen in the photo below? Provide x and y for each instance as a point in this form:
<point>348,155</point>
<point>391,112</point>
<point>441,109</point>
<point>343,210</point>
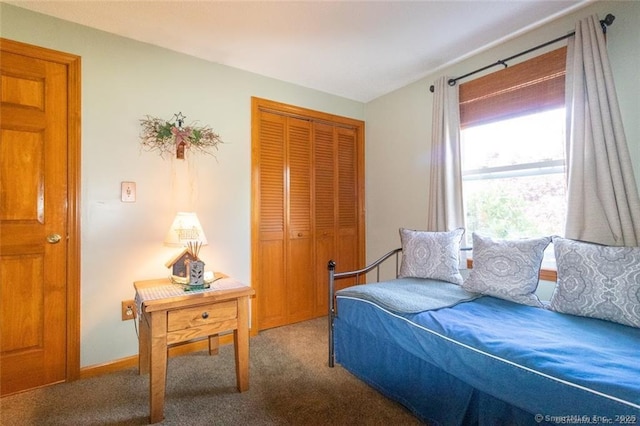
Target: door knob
<point>53,238</point>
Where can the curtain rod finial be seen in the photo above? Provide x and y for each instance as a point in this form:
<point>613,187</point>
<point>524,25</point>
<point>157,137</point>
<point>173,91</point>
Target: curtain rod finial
<point>607,21</point>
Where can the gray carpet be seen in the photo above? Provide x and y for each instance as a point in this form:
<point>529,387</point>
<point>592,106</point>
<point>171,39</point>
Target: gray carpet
<point>290,384</point>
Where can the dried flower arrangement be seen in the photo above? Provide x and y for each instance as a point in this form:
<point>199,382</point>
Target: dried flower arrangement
<point>171,136</point>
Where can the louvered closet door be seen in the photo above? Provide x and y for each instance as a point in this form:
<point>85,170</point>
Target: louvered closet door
<point>347,250</point>
<point>308,199</point>
<point>325,150</point>
<point>299,261</point>
<point>270,264</point>
<point>286,245</point>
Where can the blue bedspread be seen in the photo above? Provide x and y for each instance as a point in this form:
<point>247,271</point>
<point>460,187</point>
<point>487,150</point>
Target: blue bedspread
<point>554,368</point>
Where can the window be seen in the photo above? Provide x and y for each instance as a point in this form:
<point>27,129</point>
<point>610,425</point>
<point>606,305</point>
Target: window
<point>512,144</point>
<point>513,176</point>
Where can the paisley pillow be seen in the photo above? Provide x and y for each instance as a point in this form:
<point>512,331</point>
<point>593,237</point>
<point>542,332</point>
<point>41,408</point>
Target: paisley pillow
<point>597,281</point>
<point>432,255</point>
<point>507,269</point>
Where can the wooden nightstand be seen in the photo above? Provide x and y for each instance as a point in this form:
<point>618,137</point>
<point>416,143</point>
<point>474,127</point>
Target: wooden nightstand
<point>169,315</point>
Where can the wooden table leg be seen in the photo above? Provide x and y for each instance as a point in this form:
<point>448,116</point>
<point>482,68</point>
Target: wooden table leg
<point>214,344</point>
<point>144,344</point>
<point>158,373</point>
<point>241,344</point>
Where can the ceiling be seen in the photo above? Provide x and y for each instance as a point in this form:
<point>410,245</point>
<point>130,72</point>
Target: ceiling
<point>355,49</point>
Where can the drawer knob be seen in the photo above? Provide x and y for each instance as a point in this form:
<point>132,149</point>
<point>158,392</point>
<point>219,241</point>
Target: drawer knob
<point>205,315</point>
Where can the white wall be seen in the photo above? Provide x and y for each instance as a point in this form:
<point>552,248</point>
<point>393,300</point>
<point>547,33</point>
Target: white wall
<point>399,123</point>
<point>122,81</point>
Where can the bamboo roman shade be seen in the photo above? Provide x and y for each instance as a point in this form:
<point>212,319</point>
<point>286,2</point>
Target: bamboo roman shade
<point>525,88</point>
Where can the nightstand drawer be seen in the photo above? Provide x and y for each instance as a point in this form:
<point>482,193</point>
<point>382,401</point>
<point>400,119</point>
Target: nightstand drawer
<point>202,315</point>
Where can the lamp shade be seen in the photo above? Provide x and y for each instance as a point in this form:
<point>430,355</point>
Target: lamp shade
<point>185,229</point>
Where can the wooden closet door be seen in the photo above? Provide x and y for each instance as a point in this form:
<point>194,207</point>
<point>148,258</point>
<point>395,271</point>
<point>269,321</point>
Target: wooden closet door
<point>307,208</point>
<point>286,245</point>
<point>325,212</point>
<point>269,265</point>
<point>299,261</point>
<point>348,218</point>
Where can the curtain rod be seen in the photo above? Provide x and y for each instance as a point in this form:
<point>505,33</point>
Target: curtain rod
<point>608,20</point>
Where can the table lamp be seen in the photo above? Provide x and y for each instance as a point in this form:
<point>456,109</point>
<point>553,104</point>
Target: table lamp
<point>186,266</point>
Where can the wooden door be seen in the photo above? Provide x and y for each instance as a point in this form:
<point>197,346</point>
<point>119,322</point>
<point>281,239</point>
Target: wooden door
<point>38,192</point>
<point>299,259</point>
<point>325,211</point>
<point>269,219</point>
<point>302,186</point>
<point>285,235</point>
<point>349,221</point>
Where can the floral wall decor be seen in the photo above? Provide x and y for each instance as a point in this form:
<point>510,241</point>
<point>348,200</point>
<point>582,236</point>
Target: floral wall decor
<point>172,136</point>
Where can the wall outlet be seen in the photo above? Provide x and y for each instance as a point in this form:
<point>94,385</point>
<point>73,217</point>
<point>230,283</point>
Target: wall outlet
<point>129,310</point>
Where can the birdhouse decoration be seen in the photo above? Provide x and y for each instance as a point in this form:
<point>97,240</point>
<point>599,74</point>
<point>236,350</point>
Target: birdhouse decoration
<point>178,263</point>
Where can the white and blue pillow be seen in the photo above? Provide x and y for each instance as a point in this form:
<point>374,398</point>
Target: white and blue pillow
<point>507,269</point>
<point>432,255</point>
<point>597,281</point>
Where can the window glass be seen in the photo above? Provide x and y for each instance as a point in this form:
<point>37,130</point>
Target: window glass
<point>527,139</point>
<point>513,176</point>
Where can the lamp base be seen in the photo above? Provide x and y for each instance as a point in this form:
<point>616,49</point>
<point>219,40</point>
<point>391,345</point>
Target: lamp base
<point>209,277</point>
<point>195,287</point>
<point>195,272</point>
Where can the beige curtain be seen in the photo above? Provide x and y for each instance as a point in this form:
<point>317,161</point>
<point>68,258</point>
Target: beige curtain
<point>602,198</point>
<point>445,211</point>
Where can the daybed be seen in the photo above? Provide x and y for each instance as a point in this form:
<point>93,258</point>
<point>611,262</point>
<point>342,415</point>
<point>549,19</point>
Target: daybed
<point>460,352</point>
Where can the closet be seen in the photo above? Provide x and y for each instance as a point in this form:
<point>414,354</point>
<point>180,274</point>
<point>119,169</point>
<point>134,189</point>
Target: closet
<point>307,208</point>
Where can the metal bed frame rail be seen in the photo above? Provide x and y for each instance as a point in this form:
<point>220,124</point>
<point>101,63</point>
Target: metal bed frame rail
<point>333,276</point>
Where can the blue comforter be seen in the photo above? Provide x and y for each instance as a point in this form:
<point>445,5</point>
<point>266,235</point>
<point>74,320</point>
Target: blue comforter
<point>558,368</point>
